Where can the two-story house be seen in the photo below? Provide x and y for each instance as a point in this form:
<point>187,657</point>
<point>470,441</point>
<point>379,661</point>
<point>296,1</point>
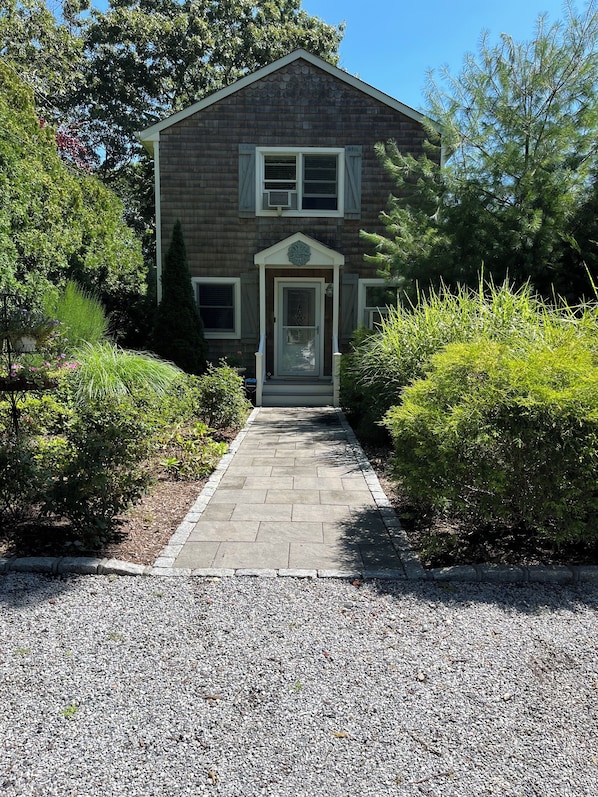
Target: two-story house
<point>272,179</point>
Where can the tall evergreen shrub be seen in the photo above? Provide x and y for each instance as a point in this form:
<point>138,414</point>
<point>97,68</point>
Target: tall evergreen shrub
<point>178,329</point>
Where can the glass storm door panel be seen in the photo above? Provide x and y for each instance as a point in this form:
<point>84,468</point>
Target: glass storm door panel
<point>299,331</point>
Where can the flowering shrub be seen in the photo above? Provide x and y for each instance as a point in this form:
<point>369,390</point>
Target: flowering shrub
<point>34,373</point>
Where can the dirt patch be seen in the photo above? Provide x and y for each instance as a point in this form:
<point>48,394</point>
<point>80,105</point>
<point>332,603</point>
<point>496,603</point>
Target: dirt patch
<point>140,536</point>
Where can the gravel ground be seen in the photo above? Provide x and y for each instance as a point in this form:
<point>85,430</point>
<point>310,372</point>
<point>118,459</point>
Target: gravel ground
<point>245,686</point>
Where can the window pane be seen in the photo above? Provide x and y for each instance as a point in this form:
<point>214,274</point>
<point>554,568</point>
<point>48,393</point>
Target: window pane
<point>320,182</point>
<point>380,296</point>
<point>219,319</point>
<point>216,306</point>
<point>280,171</point>
<point>215,295</point>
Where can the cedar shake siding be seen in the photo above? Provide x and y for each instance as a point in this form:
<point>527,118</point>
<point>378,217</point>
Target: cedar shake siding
<point>206,181</point>
<point>300,105</point>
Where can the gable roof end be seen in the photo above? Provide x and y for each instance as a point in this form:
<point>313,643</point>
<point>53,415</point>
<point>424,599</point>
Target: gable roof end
<point>152,133</point>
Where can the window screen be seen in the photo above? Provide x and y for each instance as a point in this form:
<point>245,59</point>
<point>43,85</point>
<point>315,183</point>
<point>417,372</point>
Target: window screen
<point>280,172</point>
<point>216,306</point>
<point>319,182</point>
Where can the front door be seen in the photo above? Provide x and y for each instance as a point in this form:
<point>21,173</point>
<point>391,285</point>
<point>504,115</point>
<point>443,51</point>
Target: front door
<point>298,322</point>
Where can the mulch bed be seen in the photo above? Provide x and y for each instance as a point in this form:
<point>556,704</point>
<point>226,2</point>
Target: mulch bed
<point>443,540</point>
<point>141,534</point>
<point>146,528</point>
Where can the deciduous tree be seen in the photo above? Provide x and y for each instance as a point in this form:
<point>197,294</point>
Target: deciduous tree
<point>56,224</point>
<point>145,59</point>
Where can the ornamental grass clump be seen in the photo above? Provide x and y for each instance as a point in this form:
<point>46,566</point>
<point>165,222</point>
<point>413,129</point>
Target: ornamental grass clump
<point>383,364</point>
<point>106,370</point>
<point>81,315</point>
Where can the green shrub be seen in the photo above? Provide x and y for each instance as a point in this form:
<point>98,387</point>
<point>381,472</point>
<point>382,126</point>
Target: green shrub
<point>505,436</point>
<point>22,477</point>
<point>44,413</point>
<point>190,453</point>
<point>102,474</point>
<point>176,406</point>
<point>385,363</point>
<point>221,400</point>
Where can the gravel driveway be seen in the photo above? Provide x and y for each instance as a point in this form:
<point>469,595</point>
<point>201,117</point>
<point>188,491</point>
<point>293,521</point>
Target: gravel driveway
<point>246,686</point>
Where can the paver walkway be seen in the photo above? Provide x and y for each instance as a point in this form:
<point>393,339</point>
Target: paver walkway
<point>295,494</point>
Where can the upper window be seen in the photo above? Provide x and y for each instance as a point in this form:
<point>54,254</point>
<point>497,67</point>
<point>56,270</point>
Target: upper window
<point>219,300</point>
<point>307,182</point>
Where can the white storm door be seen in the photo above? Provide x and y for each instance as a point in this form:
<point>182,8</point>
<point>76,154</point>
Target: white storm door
<point>299,317</point>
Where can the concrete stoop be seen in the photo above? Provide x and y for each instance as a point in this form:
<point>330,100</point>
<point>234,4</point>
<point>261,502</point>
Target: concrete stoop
<point>289,393</point>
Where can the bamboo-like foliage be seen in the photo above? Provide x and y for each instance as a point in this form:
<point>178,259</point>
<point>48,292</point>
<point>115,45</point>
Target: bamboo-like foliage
<point>81,315</point>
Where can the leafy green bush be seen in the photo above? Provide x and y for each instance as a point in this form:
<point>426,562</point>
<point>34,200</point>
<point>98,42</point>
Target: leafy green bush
<point>384,363</point>
<point>220,393</point>
<point>22,479</point>
<point>102,474</point>
<point>505,436</point>
<point>43,413</point>
<point>176,406</point>
<point>190,453</point>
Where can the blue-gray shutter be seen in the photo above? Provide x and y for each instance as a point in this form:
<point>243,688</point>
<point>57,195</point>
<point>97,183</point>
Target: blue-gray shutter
<point>246,180</point>
<point>250,305</point>
<point>348,306</point>
<point>353,156</point>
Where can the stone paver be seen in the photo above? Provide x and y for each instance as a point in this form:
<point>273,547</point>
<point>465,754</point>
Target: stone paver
<point>297,495</point>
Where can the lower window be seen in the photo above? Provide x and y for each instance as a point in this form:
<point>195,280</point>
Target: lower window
<point>374,299</point>
<point>218,299</point>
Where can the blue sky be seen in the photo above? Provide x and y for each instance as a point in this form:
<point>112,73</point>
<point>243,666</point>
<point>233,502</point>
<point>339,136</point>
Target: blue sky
<point>392,44</point>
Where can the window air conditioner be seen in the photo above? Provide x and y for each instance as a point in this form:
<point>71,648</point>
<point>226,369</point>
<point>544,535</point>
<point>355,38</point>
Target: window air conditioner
<point>279,199</point>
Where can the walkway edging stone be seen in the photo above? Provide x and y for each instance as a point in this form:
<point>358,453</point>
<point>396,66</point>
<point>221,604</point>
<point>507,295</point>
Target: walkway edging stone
<point>565,575</point>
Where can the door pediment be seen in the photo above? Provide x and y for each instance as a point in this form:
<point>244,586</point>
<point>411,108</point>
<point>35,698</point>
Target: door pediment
<point>299,250</point>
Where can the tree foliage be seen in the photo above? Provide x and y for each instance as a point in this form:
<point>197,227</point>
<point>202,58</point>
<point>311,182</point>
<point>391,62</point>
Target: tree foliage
<point>145,59</point>
<point>46,51</point>
<point>519,125</point>
<point>100,74</point>
<point>178,330</point>
<point>55,224</point>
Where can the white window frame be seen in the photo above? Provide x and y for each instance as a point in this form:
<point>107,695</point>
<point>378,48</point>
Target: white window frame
<point>363,309</point>
<point>261,153</point>
<point>235,333</point>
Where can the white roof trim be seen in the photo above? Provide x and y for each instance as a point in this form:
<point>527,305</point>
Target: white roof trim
<point>151,134</point>
<point>321,256</point>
